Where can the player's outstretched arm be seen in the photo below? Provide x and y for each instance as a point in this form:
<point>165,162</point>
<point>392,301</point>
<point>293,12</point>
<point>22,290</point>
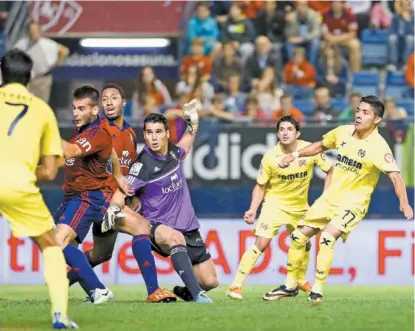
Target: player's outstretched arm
<point>400,191</point>
<point>258,194</point>
<point>48,167</point>
<point>310,150</point>
<point>71,150</point>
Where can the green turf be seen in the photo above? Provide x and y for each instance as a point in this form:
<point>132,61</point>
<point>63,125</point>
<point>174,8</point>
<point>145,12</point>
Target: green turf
<point>345,308</point>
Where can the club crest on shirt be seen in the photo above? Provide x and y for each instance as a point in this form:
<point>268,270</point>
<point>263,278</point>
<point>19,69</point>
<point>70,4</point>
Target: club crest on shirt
<point>135,169</point>
<point>388,157</point>
<point>302,162</point>
<point>70,162</point>
<point>323,156</point>
<point>361,153</point>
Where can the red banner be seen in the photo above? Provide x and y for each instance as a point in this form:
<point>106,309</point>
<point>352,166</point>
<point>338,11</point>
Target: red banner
<point>104,18</point>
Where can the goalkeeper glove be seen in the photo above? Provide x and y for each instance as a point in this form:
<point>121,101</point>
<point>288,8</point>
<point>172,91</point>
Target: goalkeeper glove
<point>113,213</point>
<point>191,116</point>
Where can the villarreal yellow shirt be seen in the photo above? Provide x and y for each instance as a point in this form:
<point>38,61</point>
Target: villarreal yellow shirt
<point>358,166</point>
<point>288,187</point>
<point>28,131</point>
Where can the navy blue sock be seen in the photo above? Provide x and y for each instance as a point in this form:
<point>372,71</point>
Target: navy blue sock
<point>79,263</point>
<point>142,252</point>
<point>74,278</point>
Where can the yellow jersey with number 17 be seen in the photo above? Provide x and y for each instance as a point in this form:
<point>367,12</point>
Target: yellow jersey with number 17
<point>358,166</point>
<point>288,187</point>
<point>28,131</point>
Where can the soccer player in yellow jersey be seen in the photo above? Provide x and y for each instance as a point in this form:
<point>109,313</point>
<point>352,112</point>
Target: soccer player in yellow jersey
<point>29,133</point>
<point>285,195</point>
<point>362,155</point>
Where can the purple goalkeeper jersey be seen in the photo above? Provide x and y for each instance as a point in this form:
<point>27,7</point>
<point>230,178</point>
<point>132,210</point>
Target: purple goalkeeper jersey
<point>160,184</point>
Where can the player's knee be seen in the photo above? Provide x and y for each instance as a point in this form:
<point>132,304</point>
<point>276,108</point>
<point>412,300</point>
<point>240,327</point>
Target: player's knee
<point>262,243</point>
<point>139,225</point>
<point>98,257</point>
<point>210,283</point>
<point>176,238</point>
<point>298,239</point>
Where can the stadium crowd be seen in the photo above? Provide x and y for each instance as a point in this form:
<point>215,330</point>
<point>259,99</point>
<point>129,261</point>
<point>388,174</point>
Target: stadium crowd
<point>259,60</point>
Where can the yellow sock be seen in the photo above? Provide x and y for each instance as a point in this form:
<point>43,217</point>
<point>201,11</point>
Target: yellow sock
<point>295,257</point>
<point>324,261</point>
<point>56,279</point>
<point>246,264</point>
<point>303,269</point>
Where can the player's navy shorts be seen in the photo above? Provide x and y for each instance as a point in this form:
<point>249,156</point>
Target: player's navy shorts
<point>196,247</point>
<point>81,211</point>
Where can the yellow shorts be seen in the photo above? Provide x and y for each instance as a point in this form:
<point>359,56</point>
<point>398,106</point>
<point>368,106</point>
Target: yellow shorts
<point>272,218</point>
<point>26,213</point>
<point>344,217</point>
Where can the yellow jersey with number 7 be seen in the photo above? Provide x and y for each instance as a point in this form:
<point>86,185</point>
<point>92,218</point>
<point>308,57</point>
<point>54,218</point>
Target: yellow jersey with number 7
<point>358,166</point>
<point>28,131</point>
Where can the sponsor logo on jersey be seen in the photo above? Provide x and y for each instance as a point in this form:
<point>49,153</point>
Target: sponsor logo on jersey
<point>348,164</point>
<point>124,160</point>
<point>176,184</point>
<point>84,143</point>
<point>297,175</point>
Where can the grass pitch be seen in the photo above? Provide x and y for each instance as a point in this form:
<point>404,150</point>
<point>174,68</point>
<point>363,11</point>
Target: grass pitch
<point>345,308</point>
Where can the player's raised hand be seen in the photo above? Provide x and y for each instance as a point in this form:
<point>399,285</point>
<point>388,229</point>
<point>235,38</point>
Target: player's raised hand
<point>406,209</point>
<point>113,213</point>
<point>249,216</point>
<point>191,116</point>
<point>285,162</point>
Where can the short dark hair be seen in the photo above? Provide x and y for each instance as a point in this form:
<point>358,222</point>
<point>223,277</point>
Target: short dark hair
<point>377,105</point>
<point>156,118</point>
<point>16,67</point>
<point>116,87</point>
<point>288,119</point>
<point>87,91</point>
<point>202,4</point>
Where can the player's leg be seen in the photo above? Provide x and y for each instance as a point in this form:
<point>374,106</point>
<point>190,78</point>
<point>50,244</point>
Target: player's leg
<point>139,228</point>
<point>172,242</point>
<point>303,284</point>
<point>203,266</point>
<point>248,261</point>
<point>343,221</point>
<point>29,217</point>
<point>73,223</point>
<point>55,277</point>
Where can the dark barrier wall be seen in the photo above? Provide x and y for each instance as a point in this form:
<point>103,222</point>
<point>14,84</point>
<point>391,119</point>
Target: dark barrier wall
<point>222,167</point>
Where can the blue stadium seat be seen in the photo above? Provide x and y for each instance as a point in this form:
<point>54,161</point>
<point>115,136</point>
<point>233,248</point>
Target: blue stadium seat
<point>366,82</point>
<point>339,104</point>
<point>408,105</point>
<point>374,47</point>
<point>395,85</point>
<point>306,106</point>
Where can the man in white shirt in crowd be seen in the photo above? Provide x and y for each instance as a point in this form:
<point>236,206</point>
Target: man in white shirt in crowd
<point>46,55</point>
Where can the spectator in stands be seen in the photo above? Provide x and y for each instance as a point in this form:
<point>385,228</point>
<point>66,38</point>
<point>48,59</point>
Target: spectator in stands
<point>204,26</point>
<point>299,75</point>
<point>240,31</point>
<point>269,95</point>
<point>261,67</point>
<point>332,70</point>
<point>148,105</point>
<point>148,84</point>
<point>5,7</point>
<point>271,23</point>
<point>409,73</point>
<point>392,112</point>
<point>220,11</point>
<point>401,36</point>
<point>194,87</point>
<point>361,9</point>
<point>340,28</point>
<point>197,58</point>
<point>324,111</point>
<point>218,109</point>
<point>288,109</point>
<point>319,6</point>
<point>381,15</point>
<point>252,109</point>
<point>46,54</point>
<point>229,65</point>
<point>251,8</point>
<point>347,115</point>
<point>303,30</point>
<point>234,99</point>
<point>177,125</point>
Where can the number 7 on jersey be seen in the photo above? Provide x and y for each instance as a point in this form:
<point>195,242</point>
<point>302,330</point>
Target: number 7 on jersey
<point>18,117</point>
